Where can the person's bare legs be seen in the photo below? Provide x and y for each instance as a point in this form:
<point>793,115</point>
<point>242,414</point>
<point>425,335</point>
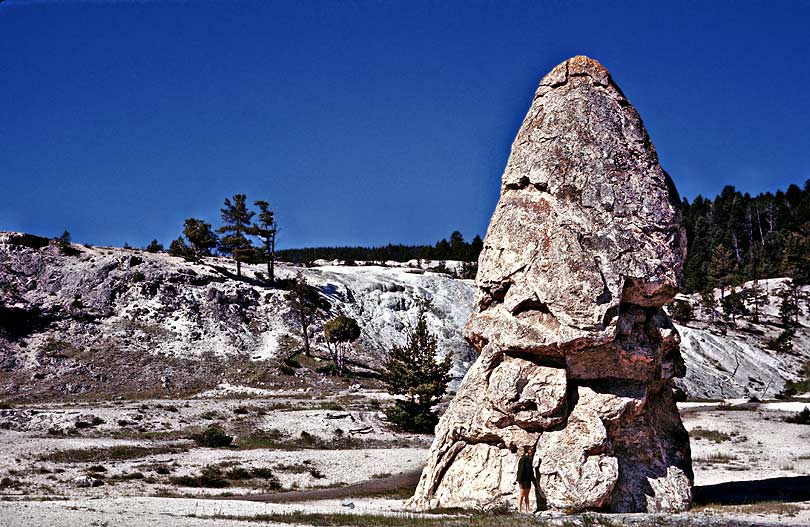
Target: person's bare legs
<point>523,499</point>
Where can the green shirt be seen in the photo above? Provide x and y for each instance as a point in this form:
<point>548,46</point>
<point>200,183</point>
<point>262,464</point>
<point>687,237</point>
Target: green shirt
<point>524,471</point>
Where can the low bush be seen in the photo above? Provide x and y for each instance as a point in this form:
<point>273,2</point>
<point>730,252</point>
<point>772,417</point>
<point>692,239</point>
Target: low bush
<point>210,477</point>
<point>213,476</point>
<point>682,311</point>
<point>327,369</point>
<point>95,421</point>
<point>710,435</point>
<point>213,437</point>
<point>286,370</point>
<point>114,453</point>
<point>8,483</point>
<point>801,418</point>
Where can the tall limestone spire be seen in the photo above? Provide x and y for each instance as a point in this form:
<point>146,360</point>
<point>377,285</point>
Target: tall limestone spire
<point>576,355</point>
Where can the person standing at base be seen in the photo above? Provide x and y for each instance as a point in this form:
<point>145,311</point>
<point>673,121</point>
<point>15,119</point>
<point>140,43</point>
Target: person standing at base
<point>525,477</point>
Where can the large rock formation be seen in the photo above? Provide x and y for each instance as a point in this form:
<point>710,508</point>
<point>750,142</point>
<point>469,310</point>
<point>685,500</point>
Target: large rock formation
<point>576,354</point>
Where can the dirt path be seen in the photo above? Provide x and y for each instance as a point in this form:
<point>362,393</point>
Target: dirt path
<point>372,487</point>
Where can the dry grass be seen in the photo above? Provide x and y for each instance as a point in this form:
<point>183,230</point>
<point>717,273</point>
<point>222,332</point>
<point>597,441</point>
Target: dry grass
<point>765,507</point>
<point>716,457</point>
<point>115,453</point>
<point>275,439</point>
<point>710,435</point>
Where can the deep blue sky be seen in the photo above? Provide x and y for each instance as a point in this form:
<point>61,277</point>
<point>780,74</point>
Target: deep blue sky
<point>365,122</point>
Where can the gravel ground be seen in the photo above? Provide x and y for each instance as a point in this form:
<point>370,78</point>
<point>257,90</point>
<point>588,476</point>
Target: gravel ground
<point>741,453</point>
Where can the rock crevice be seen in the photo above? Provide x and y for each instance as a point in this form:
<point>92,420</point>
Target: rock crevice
<point>577,355</point>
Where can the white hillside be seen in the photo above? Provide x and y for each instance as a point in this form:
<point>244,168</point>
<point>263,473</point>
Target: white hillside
<point>139,304</point>
<point>76,314</point>
<point>727,359</point>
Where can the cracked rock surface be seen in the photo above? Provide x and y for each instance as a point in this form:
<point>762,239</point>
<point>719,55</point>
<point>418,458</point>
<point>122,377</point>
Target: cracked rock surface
<point>577,355</point>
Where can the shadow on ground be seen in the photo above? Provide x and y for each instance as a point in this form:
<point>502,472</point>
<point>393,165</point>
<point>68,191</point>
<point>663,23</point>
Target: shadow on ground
<point>786,489</point>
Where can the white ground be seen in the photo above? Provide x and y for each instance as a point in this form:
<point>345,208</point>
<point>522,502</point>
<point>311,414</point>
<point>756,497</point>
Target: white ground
<point>759,445</point>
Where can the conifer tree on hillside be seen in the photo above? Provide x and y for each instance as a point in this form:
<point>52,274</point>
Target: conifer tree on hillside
<point>458,248</point>
<point>266,230</point>
<point>758,297</point>
<point>179,248</point>
<point>476,246</point>
<point>65,245</point>
<point>442,250</point>
<point>305,301</point>
<point>720,268</point>
<point>154,247</point>
<point>236,216</point>
<point>412,371</point>
<point>200,236</point>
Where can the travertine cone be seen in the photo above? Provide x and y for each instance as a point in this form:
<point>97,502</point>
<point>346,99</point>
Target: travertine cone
<point>577,356</point>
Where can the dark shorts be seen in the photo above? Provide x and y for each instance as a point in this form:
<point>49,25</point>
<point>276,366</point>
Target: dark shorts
<point>525,484</point>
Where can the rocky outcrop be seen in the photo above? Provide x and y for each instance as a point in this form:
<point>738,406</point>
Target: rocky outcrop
<point>577,355</point>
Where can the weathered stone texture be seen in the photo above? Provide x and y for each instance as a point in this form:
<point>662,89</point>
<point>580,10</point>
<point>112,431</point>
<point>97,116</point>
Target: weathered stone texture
<point>577,356</point>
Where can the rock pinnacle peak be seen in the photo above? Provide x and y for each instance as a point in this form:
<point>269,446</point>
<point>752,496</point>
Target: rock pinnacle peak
<point>577,355</point>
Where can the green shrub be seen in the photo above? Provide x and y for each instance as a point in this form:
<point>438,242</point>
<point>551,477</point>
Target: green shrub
<point>95,421</point>
<point>800,386</point>
<point>211,477</point>
<point>682,311</point>
<point>783,343</point>
<point>801,418</point>
<point>213,437</point>
<point>327,369</point>
<point>154,247</point>
<point>412,416</point>
<point>137,276</point>
<point>8,483</point>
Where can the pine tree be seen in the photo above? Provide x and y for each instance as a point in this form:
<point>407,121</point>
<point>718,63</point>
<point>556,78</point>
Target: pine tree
<point>708,304</point>
<point>266,230</point>
<point>734,304</point>
<point>200,236</point>
<point>757,297</point>
<point>237,217</point>
<point>412,370</point>
<point>682,311</point>
<point>796,256</point>
<point>458,248</point>
<point>305,301</point>
<point>789,307</point>
<point>178,247</point>
<point>340,332</point>
<point>65,246</point>
<point>442,251</point>
<point>720,268</point>
<point>476,247</point>
<point>154,247</point>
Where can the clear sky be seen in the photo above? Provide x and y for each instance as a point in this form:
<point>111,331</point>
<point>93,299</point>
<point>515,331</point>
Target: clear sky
<point>365,122</point>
